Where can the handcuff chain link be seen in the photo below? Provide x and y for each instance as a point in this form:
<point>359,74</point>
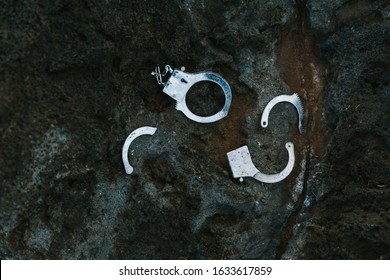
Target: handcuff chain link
<point>158,75</point>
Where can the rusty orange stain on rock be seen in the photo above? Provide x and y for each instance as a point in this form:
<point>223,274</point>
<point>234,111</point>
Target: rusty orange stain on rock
<point>305,74</point>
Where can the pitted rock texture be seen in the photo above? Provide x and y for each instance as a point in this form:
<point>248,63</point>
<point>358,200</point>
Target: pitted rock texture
<point>75,81</point>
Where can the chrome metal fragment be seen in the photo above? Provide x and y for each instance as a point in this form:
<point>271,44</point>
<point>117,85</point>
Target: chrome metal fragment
<point>241,164</point>
<point>145,130</point>
<point>180,82</point>
<point>294,100</point>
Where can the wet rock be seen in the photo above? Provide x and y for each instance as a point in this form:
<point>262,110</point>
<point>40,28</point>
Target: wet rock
<point>350,189</point>
<point>75,81</point>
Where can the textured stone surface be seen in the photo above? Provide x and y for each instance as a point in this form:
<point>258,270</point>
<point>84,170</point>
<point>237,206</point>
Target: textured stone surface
<point>75,81</point>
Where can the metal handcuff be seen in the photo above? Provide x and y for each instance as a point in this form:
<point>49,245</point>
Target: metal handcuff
<point>239,159</point>
<point>180,82</point>
<point>241,164</point>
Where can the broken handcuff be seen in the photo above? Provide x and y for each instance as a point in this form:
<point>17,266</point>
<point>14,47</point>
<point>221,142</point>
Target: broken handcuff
<point>294,100</point>
<point>180,82</point>
<point>240,161</point>
<point>145,130</point>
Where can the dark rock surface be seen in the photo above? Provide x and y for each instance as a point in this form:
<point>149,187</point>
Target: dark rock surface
<point>75,81</point>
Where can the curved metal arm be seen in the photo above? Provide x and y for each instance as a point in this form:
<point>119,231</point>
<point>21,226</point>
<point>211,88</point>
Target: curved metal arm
<point>273,178</point>
<point>294,100</point>
<point>145,130</point>
<point>240,162</point>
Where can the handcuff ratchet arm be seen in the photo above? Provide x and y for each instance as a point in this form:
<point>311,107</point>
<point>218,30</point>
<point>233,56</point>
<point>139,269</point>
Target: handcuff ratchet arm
<point>145,130</point>
<point>294,100</point>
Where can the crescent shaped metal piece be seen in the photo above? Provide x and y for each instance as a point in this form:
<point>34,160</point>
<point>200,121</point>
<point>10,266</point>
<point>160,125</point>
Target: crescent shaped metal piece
<point>145,130</point>
<point>294,100</point>
<point>241,164</point>
<point>180,83</point>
